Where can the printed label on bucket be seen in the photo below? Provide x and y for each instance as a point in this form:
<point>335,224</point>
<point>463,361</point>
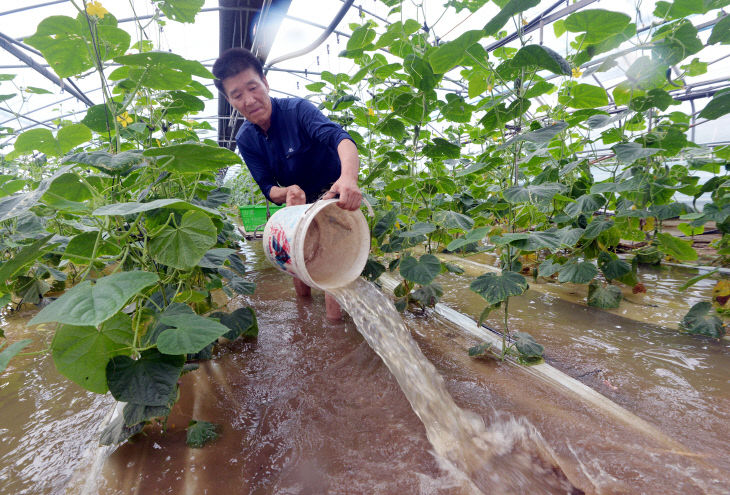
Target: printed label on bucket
<point>279,247</point>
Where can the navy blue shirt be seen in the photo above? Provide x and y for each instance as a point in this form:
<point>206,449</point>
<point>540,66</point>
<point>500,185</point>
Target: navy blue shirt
<point>299,148</point>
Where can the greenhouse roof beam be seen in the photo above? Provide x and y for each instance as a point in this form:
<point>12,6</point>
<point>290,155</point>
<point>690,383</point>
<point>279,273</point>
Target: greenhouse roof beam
<point>236,23</point>
<point>31,7</point>
<point>9,45</point>
<point>332,25</point>
<point>361,9</point>
<point>540,21</point>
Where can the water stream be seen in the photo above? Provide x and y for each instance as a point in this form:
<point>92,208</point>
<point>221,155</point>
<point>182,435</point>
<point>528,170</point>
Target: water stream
<point>509,456</point>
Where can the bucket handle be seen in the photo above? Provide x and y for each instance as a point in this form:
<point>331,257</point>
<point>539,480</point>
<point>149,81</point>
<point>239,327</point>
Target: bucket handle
<point>371,213</point>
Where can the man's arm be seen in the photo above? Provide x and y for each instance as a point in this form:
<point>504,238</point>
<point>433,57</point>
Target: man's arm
<point>346,185</point>
<point>291,195</point>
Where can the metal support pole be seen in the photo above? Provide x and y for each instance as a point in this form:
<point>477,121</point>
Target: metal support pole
<point>13,50</point>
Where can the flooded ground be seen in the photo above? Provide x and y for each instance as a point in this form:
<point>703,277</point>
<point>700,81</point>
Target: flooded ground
<point>680,383</point>
<point>48,423</point>
<point>309,407</point>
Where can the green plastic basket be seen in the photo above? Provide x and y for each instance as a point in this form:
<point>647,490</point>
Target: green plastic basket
<point>254,216</point>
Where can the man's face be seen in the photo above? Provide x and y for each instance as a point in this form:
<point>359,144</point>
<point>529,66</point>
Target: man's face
<point>248,93</point>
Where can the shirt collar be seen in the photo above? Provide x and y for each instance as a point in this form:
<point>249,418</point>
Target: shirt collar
<point>274,111</point>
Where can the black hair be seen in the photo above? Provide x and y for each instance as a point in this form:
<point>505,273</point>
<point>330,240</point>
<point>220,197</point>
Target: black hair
<point>232,62</point>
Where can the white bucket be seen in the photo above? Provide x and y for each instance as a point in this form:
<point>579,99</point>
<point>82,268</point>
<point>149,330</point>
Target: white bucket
<point>321,244</point>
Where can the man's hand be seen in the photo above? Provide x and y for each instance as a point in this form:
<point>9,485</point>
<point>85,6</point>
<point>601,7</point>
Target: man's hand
<point>350,195</point>
<point>291,195</point>
<point>295,196</point>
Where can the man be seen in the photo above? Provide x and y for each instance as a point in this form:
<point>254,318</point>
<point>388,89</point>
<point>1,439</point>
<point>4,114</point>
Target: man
<point>294,153</point>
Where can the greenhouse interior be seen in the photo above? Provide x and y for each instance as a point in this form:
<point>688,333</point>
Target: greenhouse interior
<point>397,247</point>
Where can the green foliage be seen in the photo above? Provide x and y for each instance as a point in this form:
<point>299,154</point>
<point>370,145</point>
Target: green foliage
<point>457,144</point>
<point>603,296</point>
<point>92,304</point>
<point>421,271</point>
<point>201,433</point>
<point>120,215</point>
<point>496,288</point>
<point>700,321</point>
<point>11,351</point>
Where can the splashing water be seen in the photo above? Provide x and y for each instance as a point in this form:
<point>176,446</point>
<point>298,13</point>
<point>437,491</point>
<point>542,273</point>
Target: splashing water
<point>509,456</point>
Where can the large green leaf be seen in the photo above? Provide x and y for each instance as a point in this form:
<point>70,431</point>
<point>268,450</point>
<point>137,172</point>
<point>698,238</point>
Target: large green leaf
<point>188,333</point>
<point>604,296</point>
<point>99,118</point>
<point>588,203</point>
<point>527,346</point>
<point>180,10</point>
<point>496,288</point>
<point>596,227</point>
<point>511,8</point>
<point>421,271</point>
<point>549,239</point>
<point>675,42</point>
<point>611,266</point>
<point>699,321</point>
<point>183,246</point>
<point>150,380</point>
<point>540,57</point>
<point>111,164</point>
<point>23,257</point>
<point>441,148</point>
<point>450,219</point>
<point>587,96</point>
<point>448,55</point>
<point>89,304</point>
<point>385,223</point>
<point>162,70</point>
<point>630,152</point>
<point>428,295</point>
<point>721,32</point>
<point>134,207</point>
<point>421,73</point>
<point>718,106</point>
<point>597,24</point>
<point>457,109</point>
<point>11,351</point>
<point>545,192</point>
<point>216,257</point>
<point>81,248</point>
<point>38,140</point>
<point>72,135</point>
<point>548,268</point>
<point>66,43</point>
<point>81,353</point>
<point>10,184</point>
<point>241,323</point>
<point>578,272</point>
<point>68,193</point>
<point>418,229</point>
<point>361,37</point>
<point>193,158</point>
<point>544,135</point>
<point>393,127</point>
<point>677,248</point>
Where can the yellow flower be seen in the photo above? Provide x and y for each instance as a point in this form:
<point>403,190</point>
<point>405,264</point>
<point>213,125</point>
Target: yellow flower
<point>124,119</point>
<point>371,112</point>
<point>490,87</point>
<point>524,21</point>
<point>95,8</point>
<point>577,72</point>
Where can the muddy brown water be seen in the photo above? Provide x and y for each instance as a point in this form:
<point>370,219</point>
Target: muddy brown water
<point>309,407</point>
